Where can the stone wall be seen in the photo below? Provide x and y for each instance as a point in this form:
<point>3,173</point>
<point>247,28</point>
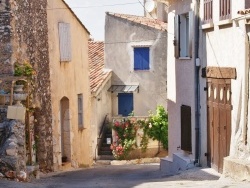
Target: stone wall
<point>12,147</point>
<point>24,37</point>
<point>5,38</point>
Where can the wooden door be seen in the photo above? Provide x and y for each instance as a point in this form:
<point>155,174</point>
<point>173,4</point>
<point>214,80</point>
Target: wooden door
<point>218,121</point>
<point>125,103</point>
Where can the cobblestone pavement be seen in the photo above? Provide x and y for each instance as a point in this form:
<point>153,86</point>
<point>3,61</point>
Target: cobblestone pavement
<point>139,176</point>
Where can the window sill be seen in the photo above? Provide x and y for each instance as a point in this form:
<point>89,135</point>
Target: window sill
<point>207,26</point>
<point>184,58</point>
<point>224,22</point>
<point>141,70</point>
<point>81,128</point>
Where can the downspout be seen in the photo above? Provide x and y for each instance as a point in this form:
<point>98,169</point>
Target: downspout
<point>245,129</point>
<point>197,85</point>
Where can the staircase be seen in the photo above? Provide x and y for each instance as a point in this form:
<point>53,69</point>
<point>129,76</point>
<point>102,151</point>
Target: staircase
<point>104,151</point>
<point>173,166</point>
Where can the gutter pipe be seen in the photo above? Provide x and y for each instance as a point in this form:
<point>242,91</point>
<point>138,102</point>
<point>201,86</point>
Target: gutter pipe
<point>197,86</point>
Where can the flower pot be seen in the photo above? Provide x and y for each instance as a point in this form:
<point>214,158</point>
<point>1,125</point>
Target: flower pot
<point>18,88</point>
<point>18,97</point>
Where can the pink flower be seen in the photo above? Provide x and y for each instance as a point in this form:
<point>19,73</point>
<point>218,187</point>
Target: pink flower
<point>117,124</point>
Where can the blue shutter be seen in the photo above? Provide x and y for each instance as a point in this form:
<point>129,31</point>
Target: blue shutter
<point>141,58</point>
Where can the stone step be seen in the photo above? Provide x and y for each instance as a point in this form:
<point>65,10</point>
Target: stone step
<point>102,162</point>
<point>105,153</point>
<point>105,157</point>
<point>105,145</point>
<point>105,148</point>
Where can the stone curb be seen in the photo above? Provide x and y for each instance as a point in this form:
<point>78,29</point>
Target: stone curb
<point>136,161</point>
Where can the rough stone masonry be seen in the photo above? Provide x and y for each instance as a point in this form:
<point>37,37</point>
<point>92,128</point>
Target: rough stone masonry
<point>24,37</point>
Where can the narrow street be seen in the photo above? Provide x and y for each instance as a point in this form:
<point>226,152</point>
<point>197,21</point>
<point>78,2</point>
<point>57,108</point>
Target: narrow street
<point>127,176</point>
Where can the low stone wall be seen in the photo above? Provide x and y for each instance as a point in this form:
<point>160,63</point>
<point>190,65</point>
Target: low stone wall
<point>152,149</point>
<point>12,148</point>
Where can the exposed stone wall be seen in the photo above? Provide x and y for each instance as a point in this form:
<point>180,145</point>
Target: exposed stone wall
<point>24,37</point>
<point>12,147</point>
<point>5,38</point>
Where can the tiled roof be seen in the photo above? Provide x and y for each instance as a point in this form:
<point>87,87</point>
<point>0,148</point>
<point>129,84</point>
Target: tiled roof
<point>96,64</point>
<point>243,12</point>
<point>150,22</point>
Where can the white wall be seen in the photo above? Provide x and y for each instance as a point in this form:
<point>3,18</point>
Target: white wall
<point>181,82</point>
<point>225,46</point>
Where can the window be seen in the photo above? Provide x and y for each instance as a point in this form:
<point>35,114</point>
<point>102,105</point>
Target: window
<point>65,42</point>
<point>208,11</point>
<point>80,111</point>
<point>183,32</point>
<point>225,9</point>
<point>141,58</point>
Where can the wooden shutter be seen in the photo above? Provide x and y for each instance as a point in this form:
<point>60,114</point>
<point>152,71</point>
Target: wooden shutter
<point>208,11</point>
<point>190,33</point>
<point>186,137</point>
<point>65,41</point>
<point>177,36</point>
<point>225,9</point>
<point>141,58</point>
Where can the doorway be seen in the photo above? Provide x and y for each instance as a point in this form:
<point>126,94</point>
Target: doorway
<point>218,121</point>
<point>125,103</point>
<point>65,130</point>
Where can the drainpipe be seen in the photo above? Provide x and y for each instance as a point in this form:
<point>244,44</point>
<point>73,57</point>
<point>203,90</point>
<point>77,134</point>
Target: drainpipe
<point>197,86</point>
<point>246,97</point>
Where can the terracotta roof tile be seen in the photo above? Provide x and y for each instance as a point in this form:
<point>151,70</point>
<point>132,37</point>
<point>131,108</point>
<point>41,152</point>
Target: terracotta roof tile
<point>243,12</point>
<point>150,22</point>
<point>96,64</point>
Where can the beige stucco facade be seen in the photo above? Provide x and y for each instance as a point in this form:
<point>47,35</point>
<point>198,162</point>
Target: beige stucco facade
<point>119,56</point>
<point>68,79</point>
<point>101,109</point>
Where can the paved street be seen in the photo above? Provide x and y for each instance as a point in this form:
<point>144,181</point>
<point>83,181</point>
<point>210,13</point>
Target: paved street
<point>139,176</point>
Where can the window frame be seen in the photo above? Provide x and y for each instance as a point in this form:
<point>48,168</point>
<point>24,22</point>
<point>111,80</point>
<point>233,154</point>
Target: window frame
<point>178,39</point>
<point>144,67</point>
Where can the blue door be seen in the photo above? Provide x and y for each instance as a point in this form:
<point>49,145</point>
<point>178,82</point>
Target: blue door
<point>125,103</point>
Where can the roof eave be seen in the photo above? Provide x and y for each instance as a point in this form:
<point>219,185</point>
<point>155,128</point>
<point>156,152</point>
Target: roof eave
<point>66,4</point>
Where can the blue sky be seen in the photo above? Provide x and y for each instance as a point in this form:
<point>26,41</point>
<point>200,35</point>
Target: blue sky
<point>92,12</point>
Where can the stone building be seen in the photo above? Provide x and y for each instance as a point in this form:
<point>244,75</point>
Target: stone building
<point>41,32</point>
<point>136,51</point>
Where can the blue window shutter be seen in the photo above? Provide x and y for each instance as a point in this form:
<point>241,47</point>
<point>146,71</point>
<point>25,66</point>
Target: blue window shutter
<point>141,58</point>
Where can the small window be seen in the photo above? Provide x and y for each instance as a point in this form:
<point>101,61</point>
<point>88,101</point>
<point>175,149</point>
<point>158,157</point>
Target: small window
<point>208,11</point>
<point>80,111</point>
<point>65,42</point>
<point>225,9</point>
<point>183,33</point>
<point>141,58</point>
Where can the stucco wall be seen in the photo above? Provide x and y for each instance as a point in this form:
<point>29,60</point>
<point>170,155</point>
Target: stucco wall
<point>181,82</point>
<point>68,80</point>
<point>120,37</point>
<point>226,46</point>
<point>101,106</point>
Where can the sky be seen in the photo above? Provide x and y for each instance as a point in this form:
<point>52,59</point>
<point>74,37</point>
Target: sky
<point>92,12</point>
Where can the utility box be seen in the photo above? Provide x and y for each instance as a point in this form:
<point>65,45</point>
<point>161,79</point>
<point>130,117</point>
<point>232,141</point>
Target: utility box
<point>16,112</point>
